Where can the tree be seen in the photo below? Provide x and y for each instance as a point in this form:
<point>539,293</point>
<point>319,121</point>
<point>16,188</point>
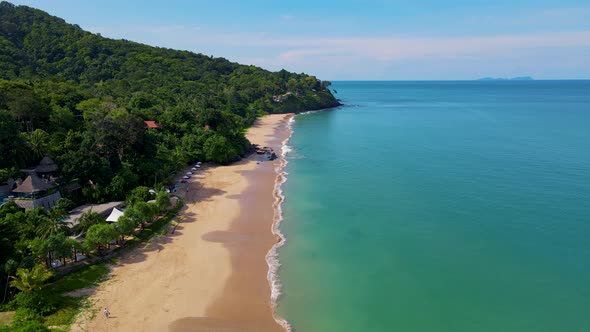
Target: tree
<point>122,182</point>
<point>85,166</point>
<point>147,211</point>
<point>99,236</point>
<point>139,194</point>
<point>9,139</point>
<point>30,223</point>
<point>58,246</point>
<point>23,103</point>
<point>293,86</point>
<point>9,268</point>
<point>51,225</point>
<point>65,204</point>
<point>218,149</point>
<point>89,219</point>
<point>162,200</point>
<point>75,248</point>
<point>62,119</point>
<point>28,281</point>
<point>116,135</point>
<point>9,231</point>
<point>125,226</point>
<point>38,141</point>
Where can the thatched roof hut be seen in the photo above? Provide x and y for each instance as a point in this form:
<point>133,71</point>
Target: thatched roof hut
<point>32,184</point>
<point>47,165</point>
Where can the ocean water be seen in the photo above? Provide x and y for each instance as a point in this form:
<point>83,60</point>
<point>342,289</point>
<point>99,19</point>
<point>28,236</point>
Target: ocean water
<point>440,206</point>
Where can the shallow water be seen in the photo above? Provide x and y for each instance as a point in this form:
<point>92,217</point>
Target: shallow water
<point>440,206</point>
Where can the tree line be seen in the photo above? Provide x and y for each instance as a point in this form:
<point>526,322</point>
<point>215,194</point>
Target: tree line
<point>34,242</point>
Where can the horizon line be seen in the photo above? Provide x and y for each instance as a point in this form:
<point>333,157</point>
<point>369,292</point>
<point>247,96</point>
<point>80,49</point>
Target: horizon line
<point>455,80</point>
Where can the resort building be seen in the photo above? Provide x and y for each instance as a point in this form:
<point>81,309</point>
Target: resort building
<point>38,189</point>
<point>35,192</point>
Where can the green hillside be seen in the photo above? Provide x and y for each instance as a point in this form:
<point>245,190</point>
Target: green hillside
<point>81,99</point>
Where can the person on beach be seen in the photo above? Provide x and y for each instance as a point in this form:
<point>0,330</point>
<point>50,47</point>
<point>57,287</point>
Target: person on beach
<point>106,312</point>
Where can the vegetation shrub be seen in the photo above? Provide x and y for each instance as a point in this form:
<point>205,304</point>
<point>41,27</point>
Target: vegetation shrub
<point>24,315</point>
<point>38,302</point>
<point>31,326</point>
<point>9,306</point>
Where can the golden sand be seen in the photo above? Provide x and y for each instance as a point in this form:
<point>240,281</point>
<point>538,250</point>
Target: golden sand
<point>210,274</point>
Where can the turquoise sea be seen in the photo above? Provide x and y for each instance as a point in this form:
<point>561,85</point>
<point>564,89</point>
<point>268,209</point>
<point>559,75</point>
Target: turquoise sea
<point>440,207</point>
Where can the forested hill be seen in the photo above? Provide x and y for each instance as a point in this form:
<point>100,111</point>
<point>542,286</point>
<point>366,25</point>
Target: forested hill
<point>81,99</point>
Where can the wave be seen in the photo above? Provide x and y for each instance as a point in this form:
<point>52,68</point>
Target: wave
<point>309,112</point>
<point>272,257</point>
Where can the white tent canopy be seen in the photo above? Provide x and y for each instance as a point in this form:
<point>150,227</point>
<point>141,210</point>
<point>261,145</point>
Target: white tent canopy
<point>115,215</point>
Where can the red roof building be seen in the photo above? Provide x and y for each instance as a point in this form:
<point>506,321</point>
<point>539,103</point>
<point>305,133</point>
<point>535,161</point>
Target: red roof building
<point>152,124</point>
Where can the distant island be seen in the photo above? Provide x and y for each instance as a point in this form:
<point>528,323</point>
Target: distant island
<point>521,78</point>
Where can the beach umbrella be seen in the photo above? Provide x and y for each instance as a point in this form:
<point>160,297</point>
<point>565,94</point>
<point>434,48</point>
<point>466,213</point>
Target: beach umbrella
<point>186,177</point>
<point>198,163</point>
<point>189,173</point>
<point>152,191</point>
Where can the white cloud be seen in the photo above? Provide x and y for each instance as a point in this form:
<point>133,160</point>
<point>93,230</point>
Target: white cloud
<point>333,55</point>
<point>396,48</point>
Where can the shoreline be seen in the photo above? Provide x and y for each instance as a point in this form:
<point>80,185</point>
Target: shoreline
<point>272,257</point>
<point>246,302</point>
<point>212,270</point>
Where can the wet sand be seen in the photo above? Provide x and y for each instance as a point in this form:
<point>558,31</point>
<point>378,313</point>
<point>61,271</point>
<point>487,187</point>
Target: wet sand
<point>210,274</point>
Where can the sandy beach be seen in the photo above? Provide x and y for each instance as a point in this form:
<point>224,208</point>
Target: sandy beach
<point>210,274</point>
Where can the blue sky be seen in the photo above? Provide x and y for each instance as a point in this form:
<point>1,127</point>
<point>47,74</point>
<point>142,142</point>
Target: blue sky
<point>350,39</point>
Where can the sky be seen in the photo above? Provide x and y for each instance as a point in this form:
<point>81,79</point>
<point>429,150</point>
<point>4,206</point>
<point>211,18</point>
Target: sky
<point>357,40</point>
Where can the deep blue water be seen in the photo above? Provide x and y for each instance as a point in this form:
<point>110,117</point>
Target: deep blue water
<point>440,206</point>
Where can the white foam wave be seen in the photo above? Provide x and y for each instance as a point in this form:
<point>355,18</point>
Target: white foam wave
<point>285,149</point>
<point>272,257</point>
<point>309,112</point>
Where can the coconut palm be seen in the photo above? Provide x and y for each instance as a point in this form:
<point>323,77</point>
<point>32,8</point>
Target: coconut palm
<point>38,142</point>
<point>28,281</point>
<point>51,226</point>
<point>9,267</point>
<point>90,218</point>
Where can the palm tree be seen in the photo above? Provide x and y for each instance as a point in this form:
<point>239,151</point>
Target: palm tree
<point>9,267</point>
<point>28,281</point>
<point>90,218</point>
<point>51,226</point>
<point>38,142</point>
<point>75,248</point>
